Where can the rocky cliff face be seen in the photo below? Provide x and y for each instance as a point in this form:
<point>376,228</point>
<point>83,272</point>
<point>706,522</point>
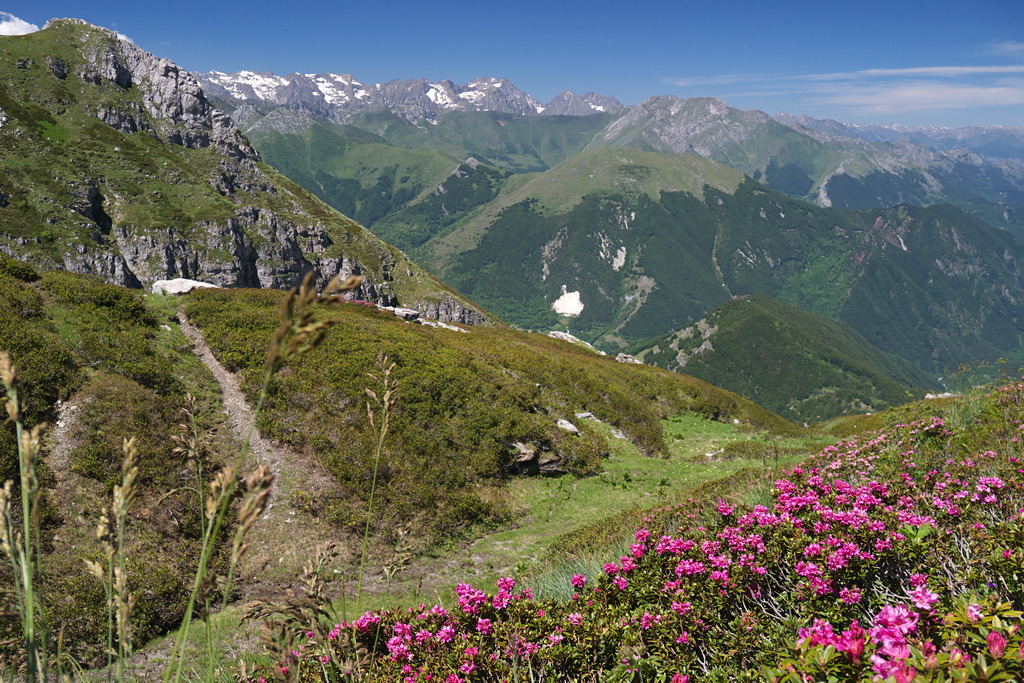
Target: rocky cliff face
<point>117,164</point>
<point>569,103</point>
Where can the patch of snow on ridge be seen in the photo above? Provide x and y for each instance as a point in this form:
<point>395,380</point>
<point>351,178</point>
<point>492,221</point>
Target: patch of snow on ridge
<point>330,91</point>
<point>568,304</point>
<point>620,259</point>
<point>473,96</point>
<point>439,96</point>
<point>264,85</point>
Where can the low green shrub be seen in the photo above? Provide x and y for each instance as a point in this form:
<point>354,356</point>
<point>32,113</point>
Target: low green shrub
<point>463,401</point>
<point>112,407</point>
<point>19,270</point>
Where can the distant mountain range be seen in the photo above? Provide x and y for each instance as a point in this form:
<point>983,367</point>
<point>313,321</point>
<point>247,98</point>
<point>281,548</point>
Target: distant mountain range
<point>646,242</point>
<point>336,95</point>
<point>980,170</point>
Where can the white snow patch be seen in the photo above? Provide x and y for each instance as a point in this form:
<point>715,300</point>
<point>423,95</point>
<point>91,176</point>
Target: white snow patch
<point>178,286</point>
<point>473,96</point>
<point>620,259</point>
<point>439,96</point>
<point>568,304</point>
<point>330,90</point>
<point>264,85</point>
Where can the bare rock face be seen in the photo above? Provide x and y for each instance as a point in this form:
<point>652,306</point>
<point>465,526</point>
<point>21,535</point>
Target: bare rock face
<point>57,67</point>
<point>170,96</point>
<point>137,210</point>
<point>449,310</point>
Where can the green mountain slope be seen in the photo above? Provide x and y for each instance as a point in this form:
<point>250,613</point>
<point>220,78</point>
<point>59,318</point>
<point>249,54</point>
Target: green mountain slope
<point>357,173</point>
<point>99,365</point>
<point>518,144</point>
<point>113,162</point>
<point>465,400</point>
<point>827,165</point>
<point>931,285</point>
<point>800,365</point>
<point>558,190</point>
<point>636,236</point>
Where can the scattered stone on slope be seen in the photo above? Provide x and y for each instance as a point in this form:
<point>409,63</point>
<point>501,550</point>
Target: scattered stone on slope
<point>567,426</point>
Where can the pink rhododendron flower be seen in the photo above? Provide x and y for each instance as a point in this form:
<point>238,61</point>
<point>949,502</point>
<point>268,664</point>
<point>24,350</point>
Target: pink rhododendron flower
<point>996,644</point>
<point>924,598</point>
<point>648,620</point>
<point>974,612</point>
<point>820,633</point>
<point>578,580</point>
<point>681,607</point>
<point>851,641</point>
<point>900,618</point>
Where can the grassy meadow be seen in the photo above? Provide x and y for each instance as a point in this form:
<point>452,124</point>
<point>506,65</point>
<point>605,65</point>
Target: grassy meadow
<point>682,533</point>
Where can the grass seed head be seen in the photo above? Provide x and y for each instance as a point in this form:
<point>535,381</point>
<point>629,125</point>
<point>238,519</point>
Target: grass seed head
<point>5,516</point>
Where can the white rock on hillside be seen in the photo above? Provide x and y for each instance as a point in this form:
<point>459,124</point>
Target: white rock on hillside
<point>178,286</point>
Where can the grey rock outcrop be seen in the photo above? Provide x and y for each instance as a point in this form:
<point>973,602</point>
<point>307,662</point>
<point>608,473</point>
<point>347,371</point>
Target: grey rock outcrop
<point>57,67</point>
<point>135,210</point>
<point>171,97</point>
<point>568,103</point>
<point>449,310</point>
<point>530,460</point>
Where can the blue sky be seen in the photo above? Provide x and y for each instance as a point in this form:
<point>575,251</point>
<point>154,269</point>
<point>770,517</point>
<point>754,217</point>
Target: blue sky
<point>932,63</point>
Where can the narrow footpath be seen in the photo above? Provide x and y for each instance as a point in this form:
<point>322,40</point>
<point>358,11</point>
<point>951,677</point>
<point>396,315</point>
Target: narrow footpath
<point>285,538</point>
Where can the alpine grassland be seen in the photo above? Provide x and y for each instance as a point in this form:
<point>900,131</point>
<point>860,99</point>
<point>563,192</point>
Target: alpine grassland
<point>678,533</point>
<point>118,528</point>
<point>466,399</point>
<point>892,555</point>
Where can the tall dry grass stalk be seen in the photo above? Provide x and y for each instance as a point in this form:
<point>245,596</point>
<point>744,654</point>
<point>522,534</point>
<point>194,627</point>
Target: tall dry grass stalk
<point>298,331</point>
<point>22,547</point>
<point>387,385</point>
<point>111,532</point>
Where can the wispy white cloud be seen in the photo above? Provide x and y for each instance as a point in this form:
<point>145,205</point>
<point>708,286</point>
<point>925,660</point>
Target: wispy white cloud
<point>907,97</point>
<point>882,91</point>
<point>1009,48</point>
<point>934,71</point>
<point>724,79</point>
<point>11,25</point>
